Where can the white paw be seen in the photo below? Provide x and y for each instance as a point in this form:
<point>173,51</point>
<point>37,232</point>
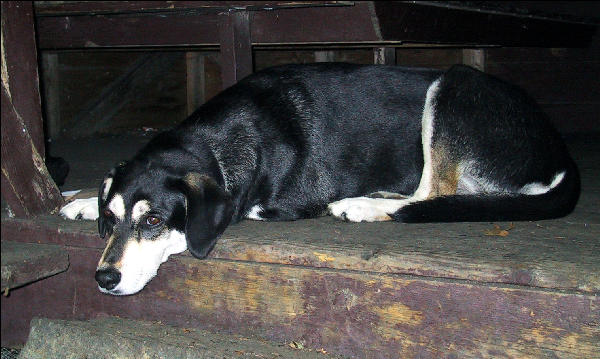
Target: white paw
<point>359,209</point>
<point>81,209</point>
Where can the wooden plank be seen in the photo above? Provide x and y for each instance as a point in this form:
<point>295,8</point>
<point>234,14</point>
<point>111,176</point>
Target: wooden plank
<point>122,338</point>
<point>348,24</point>
<point>23,263</point>
<point>322,24</point>
<point>235,47</point>
<point>51,88</point>
<point>58,8</point>
<point>389,22</point>
<point>474,58</point>
<point>195,79</point>
<point>20,67</point>
<point>384,56</point>
<point>560,254</point>
<point>324,56</point>
<point>78,32</point>
<point>357,314</point>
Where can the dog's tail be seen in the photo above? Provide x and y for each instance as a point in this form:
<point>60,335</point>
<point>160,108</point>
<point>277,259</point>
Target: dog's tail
<point>557,202</point>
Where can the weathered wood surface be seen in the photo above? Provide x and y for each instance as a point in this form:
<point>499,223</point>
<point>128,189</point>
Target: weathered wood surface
<point>57,8</point>
<point>560,254</point>
<point>121,338</point>
<point>27,186</point>
<point>20,67</point>
<point>353,313</point>
<point>235,47</point>
<point>354,22</point>
<point>23,263</point>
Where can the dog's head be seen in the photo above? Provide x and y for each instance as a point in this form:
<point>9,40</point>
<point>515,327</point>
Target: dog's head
<point>146,213</point>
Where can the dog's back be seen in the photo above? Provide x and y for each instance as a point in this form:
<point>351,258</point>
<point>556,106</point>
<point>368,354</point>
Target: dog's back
<point>316,133</point>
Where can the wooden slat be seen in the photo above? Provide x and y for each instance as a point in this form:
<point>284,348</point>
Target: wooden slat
<point>235,47</point>
<point>122,338</point>
<point>384,56</point>
<point>195,81</point>
<point>127,30</point>
<point>23,263</point>
<point>315,25</point>
<point>60,8</point>
<point>558,254</point>
<point>361,23</point>
<point>323,24</point>
<point>358,314</point>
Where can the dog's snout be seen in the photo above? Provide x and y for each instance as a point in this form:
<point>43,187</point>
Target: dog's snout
<point>108,278</point>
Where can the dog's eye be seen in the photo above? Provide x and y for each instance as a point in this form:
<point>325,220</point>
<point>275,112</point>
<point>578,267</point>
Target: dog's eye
<point>153,221</point>
<point>108,213</point>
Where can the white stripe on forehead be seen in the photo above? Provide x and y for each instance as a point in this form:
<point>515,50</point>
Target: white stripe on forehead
<point>139,209</point>
<point>107,183</point>
<point>117,206</point>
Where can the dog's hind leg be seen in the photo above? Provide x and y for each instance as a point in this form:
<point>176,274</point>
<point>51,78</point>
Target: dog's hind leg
<point>439,177</point>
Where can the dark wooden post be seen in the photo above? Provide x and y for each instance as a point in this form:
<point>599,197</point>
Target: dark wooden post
<point>196,80</point>
<point>27,187</point>
<point>236,47</point>
<point>19,55</point>
<point>384,56</point>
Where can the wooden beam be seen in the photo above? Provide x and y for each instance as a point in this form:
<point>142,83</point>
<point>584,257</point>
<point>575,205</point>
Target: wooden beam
<point>235,47</point>
<point>324,56</point>
<point>474,58</point>
<point>51,88</point>
<point>384,56</point>
<point>27,186</point>
<point>361,23</point>
<point>310,25</point>
<point>44,8</point>
<point>196,80</point>
<point>20,67</point>
<point>24,263</point>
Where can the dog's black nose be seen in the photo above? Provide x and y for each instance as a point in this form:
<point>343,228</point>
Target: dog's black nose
<point>108,278</point>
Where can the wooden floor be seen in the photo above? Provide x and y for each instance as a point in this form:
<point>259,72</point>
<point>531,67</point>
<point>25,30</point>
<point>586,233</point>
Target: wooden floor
<point>365,290</point>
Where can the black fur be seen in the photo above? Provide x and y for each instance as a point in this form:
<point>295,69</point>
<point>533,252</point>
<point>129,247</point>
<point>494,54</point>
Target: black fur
<point>498,126</point>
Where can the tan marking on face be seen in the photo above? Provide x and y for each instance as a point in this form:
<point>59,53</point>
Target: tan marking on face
<point>101,263</point>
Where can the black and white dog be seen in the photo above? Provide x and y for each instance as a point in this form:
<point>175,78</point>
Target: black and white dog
<point>364,143</point>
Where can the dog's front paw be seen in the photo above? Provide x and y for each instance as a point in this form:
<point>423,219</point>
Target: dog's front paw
<point>359,209</point>
<point>81,209</point>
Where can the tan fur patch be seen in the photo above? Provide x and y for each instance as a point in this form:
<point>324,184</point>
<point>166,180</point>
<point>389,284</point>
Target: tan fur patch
<point>445,172</point>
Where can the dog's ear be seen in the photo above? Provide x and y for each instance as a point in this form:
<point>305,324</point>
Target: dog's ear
<point>209,211</point>
<point>103,226</point>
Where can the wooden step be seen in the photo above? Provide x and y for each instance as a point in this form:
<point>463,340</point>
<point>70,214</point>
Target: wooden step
<point>360,290</point>
<point>122,338</point>
<point>23,263</point>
